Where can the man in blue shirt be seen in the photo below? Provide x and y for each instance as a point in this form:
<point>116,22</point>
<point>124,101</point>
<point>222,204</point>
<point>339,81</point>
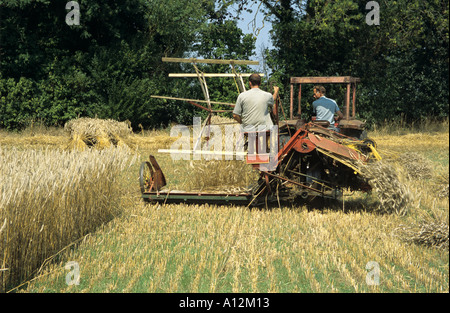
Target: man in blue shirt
<point>325,108</point>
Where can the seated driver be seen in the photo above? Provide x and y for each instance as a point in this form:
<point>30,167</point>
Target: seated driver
<point>325,108</point>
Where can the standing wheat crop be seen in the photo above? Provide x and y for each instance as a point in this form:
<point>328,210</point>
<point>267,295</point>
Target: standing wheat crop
<point>50,198</point>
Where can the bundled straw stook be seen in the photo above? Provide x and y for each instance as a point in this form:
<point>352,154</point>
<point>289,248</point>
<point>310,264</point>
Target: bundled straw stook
<point>93,132</point>
<point>442,184</point>
<point>392,194</point>
<point>430,234</point>
<point>416,166</point>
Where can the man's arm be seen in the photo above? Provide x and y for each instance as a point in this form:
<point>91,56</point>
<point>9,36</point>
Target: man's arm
<point>276,90</point>
<point>275,97</point>
<point>237,112</point>
<point>340,116</point>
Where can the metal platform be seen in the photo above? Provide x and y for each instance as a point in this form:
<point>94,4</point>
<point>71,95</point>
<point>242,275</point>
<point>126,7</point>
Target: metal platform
<point>166,196</point>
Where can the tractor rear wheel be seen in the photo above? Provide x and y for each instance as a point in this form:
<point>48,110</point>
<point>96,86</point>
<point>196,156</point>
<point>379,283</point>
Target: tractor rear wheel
<point>145,176</point>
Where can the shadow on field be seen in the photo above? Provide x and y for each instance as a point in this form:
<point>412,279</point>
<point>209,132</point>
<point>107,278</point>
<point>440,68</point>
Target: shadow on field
<point>365,203</point>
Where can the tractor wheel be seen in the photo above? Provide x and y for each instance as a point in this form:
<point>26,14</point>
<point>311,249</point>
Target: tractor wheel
<point>145,176</point>
<point>363,135</point>
<point>370,141</point>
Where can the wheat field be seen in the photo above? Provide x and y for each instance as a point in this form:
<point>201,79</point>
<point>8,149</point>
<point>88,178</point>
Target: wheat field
<point>49,199</point>
<point>208,248</point>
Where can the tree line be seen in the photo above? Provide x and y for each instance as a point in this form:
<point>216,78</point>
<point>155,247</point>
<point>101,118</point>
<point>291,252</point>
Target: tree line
<point>109,64</point>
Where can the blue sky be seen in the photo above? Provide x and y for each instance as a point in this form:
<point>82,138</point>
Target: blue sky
<point>263,37</point>
<point>247,27</point>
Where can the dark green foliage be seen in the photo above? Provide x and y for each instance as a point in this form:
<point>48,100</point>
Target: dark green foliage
<point>224,40</point>
<point>403,62</point>
<point>17,102</point>
<point>110,64</point>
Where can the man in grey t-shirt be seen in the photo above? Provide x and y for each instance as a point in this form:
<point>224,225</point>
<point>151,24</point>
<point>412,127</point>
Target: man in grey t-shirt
<point>253,107</point>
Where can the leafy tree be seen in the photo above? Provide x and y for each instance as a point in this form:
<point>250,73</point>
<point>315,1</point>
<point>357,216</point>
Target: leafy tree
<point>403,62</point>
<point>108,66</point>
<point>224,40</point>
<point>218,38</point>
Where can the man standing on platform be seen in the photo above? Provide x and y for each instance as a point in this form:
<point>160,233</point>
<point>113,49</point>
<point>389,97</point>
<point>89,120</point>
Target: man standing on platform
<point>253,106</point>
